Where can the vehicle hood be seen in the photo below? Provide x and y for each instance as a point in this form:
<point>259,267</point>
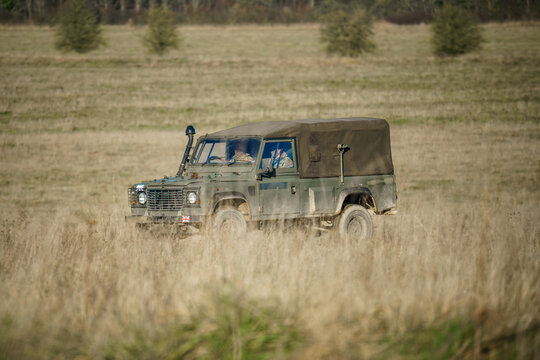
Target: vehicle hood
<point>198,174</point>
<point>178,181</point>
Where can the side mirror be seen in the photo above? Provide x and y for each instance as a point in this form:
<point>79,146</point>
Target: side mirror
<point>266,173</point>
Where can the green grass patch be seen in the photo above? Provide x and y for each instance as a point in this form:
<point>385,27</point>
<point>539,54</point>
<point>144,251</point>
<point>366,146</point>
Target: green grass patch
<point>230,327</point>
<point>461,339</point>
<point>439,342</point>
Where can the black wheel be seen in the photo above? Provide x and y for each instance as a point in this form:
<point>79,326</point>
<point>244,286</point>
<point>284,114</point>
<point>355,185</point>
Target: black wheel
<point>229,222</point>
<point>355,223</point>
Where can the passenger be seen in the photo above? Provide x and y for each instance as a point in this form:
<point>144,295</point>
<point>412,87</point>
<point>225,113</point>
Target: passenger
<point>281,160</point>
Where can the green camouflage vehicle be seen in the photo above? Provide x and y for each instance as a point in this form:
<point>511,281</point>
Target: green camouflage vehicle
<point>330,174</point>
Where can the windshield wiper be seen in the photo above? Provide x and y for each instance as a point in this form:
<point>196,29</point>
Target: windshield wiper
<point>239,162</point>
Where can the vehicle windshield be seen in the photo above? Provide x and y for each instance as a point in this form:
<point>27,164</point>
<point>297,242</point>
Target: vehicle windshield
<point>227,151</point>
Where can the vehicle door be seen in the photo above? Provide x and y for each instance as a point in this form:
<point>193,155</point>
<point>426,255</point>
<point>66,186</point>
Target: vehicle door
<point>278,180</point>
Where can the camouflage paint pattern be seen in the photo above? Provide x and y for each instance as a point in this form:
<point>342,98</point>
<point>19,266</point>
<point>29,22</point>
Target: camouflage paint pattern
<point>281,194</point>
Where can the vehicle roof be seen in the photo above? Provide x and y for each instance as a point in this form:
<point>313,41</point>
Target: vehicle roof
<point>317,140</point>
<point>293,127</point>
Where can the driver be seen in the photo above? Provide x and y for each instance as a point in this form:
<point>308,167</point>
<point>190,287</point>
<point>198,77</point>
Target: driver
<point>241,153</point>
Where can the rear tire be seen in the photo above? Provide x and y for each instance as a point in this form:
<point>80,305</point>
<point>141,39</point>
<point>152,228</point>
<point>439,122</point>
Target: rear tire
<point>355,223</point>
<point>229,223</point>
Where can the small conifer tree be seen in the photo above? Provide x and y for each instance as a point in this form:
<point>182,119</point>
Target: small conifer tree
<point>161,35</point>
<point>78,28</point>
<point>347,33</point>
<point>454,32</point>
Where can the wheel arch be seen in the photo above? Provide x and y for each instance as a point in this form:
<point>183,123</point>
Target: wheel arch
<point>233,198</point>
<point>358,196</point>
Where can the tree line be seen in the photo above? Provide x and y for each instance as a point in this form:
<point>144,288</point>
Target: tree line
<point>264,11</point>
<point>346,31</point>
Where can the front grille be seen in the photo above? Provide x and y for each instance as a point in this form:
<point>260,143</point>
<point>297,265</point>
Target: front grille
<point>161,199</point>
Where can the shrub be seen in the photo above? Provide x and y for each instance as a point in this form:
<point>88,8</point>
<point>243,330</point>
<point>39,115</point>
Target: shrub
<point>161,35</point>
<point>454,32</point>
<point>78,28</point>
<point>347,34</point>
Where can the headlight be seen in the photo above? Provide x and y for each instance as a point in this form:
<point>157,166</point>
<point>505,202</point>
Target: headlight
<point>142,198</point>
<point>192,197</point>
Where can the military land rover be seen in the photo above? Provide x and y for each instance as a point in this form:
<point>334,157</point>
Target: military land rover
<point>332,174</point>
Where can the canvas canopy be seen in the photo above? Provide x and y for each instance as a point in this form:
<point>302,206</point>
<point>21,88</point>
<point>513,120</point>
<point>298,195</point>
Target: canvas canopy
<point>317,140</point>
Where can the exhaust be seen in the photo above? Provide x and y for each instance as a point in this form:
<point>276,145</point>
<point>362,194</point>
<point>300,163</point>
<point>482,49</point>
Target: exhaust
<point>342,148</point>
<point>190,131</point>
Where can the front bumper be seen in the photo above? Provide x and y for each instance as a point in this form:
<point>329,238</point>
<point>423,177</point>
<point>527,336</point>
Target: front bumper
<point>180,220</point>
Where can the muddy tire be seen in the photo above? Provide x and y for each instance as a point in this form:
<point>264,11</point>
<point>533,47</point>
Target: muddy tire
<point>229,223</point>
<point>355,223</point>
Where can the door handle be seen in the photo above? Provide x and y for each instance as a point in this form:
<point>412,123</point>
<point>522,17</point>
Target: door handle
<point>293,189</point>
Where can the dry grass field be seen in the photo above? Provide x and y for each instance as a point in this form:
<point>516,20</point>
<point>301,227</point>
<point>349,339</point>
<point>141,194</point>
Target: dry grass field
<point>456,274</point>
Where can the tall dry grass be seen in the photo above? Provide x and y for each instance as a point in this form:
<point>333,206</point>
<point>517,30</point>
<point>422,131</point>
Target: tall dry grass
<point>464,246</point>
<point>99,278</point>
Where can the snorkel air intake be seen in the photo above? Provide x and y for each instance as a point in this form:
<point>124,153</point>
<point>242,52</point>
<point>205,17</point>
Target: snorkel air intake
<point>190,131</point>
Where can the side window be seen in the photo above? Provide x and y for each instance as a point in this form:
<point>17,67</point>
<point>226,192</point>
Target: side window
<point>277,155</point>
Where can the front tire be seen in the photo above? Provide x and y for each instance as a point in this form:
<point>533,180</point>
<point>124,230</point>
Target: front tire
<point>229,223</point>
<point>355,223</point>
